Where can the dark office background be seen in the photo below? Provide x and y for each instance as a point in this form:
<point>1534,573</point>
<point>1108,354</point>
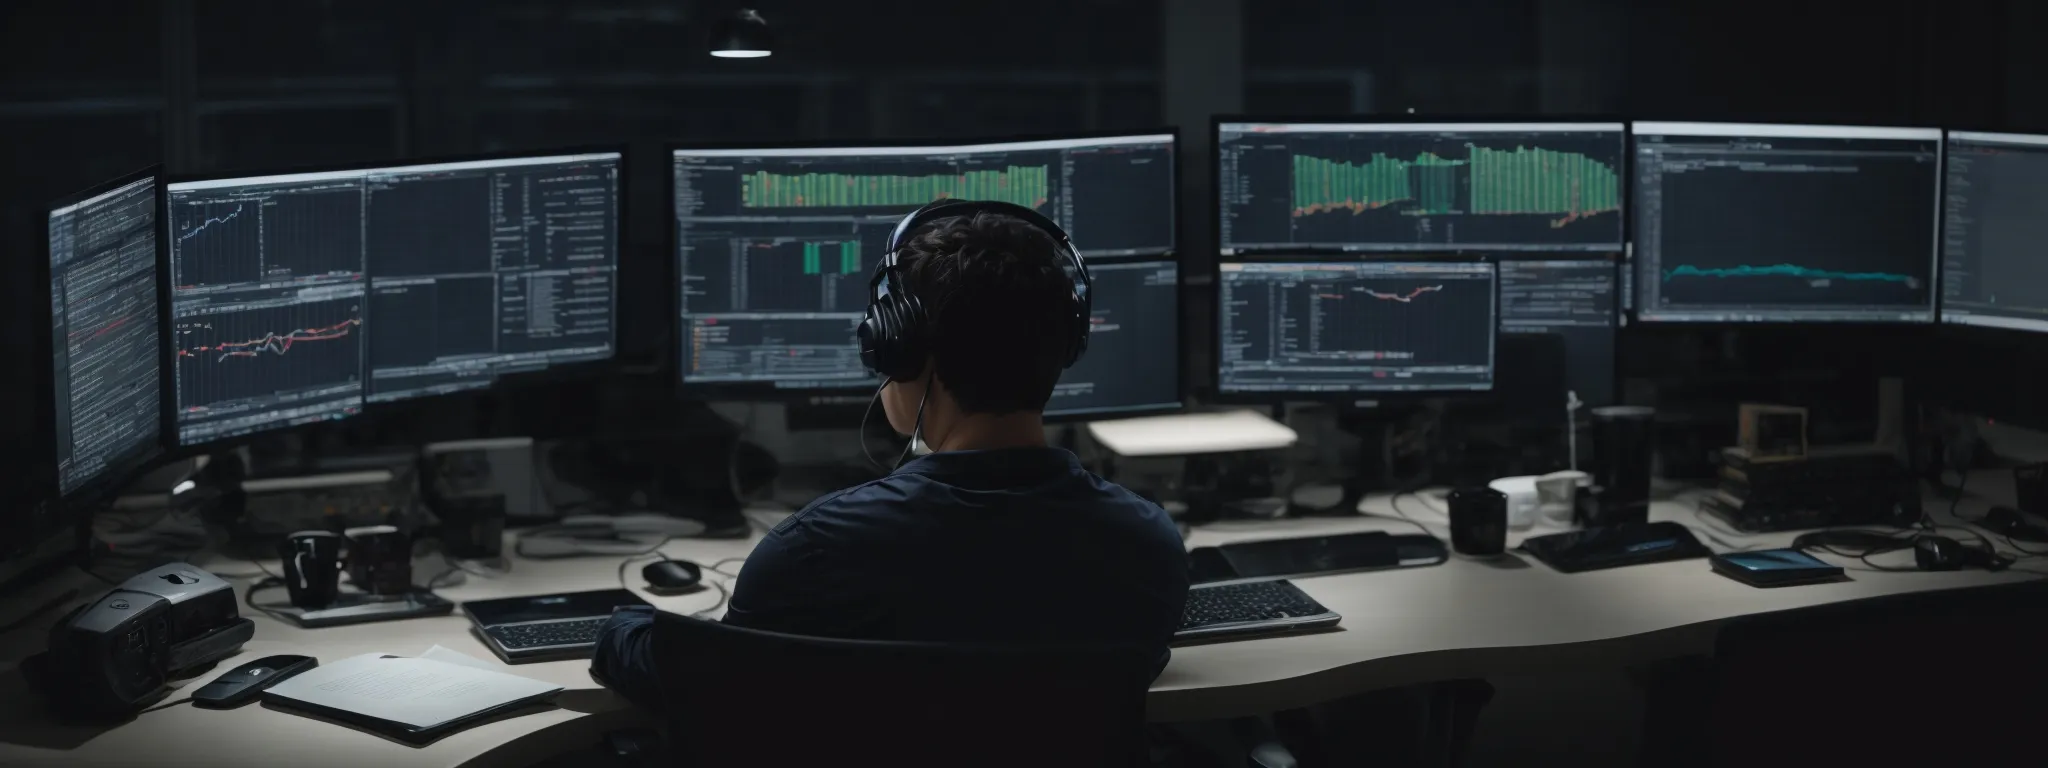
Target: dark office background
<point>93,89</point>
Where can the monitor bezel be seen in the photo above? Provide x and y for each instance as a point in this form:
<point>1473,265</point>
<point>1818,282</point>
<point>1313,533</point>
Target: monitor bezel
<point>768,392</point>
<point>2014,334</point>
<point>1216,122</point>
<point>1359,397</point>
<point>1935,282</point>
<point>1214,388</point>
<point>123,468</point>
<point>574,369</point>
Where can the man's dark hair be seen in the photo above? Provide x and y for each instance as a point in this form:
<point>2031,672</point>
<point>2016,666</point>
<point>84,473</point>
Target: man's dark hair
<point>1000,301</point>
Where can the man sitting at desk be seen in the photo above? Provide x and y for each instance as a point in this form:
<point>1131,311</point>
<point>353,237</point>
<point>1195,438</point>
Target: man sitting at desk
<point>995,537</point>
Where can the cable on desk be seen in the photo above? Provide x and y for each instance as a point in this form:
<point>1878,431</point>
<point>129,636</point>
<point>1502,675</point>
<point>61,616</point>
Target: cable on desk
<point>2024,552</point>
<point>264,568</point>
<point>166,705</point>
<point>249,597</point>
<point>723,593</point>
<point>717,567</point>
<point>452,569</point>
<point>519,545</point>
<point>1395,502</point>
<point>1426,504</point>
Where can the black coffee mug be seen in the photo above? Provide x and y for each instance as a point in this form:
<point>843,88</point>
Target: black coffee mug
<point>380,559</point>
<point>1479,521</point>
<point>312,568</point>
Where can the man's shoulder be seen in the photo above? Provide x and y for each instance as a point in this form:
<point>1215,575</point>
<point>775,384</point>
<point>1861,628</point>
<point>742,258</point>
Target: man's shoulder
<point>843,501</point>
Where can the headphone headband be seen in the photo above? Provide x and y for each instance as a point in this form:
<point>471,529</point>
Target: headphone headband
<point>893,334</point>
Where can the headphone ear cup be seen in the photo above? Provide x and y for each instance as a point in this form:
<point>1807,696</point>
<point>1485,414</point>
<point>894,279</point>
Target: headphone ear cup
<point>908,342</point>
<point>889,337</point>
<point>1079,334</point>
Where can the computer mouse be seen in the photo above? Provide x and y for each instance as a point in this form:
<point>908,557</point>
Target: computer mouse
<point>671,574</point>
<point>1941,553</point>
<point>1937,553</point>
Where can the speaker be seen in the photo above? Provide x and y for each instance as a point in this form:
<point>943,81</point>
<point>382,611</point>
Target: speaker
<point>1623,435</point>
<point>1479,521</point>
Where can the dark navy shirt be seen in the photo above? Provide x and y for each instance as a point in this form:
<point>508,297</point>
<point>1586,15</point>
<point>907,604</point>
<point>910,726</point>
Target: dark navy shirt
<point>1018,545</point>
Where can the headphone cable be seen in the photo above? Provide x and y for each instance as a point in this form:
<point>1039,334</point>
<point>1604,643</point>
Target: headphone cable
<point>861,432</point>
<point>916,427</point>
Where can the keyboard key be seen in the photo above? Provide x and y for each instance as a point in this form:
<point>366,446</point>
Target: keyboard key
<point>572,632</point>
<point>1242,603</point>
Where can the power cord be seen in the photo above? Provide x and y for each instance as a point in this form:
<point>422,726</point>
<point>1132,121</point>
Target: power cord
<point>1395,503</point>
<point>249,597</point>
<point>166,705</point>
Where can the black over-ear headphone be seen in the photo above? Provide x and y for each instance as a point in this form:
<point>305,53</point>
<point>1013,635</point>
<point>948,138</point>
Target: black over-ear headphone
<point>895,337</point>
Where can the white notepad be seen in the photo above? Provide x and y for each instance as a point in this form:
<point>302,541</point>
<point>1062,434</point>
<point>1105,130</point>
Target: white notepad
<point>408,696</point>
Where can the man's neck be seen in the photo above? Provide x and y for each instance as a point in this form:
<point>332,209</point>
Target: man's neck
<point>982,432</point>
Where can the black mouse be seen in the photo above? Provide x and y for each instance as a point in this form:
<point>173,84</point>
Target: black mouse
<point>671,574</point>
<point>1941,553</point>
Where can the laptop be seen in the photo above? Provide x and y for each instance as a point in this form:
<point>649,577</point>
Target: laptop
<point>545,627</point>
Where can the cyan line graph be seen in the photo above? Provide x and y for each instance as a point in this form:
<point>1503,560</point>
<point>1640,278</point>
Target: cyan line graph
<point>210,222</point>
<point>1787,270</point>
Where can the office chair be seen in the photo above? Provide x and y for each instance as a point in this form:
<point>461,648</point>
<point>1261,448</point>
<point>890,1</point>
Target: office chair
<point>742,697</point>
<point>1936,678</point>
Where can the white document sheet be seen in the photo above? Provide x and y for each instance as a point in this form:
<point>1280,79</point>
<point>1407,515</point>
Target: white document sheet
<point>418,693</point>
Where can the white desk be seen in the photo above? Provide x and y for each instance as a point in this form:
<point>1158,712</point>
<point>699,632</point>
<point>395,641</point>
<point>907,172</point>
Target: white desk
<point>1462,619</point>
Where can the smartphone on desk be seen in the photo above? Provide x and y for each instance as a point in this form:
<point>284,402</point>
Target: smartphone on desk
<point>1775,568</point>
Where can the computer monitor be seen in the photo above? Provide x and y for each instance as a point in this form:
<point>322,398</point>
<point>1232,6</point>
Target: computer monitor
<point>1574,300</point>
<point>1133,360</point>
<point>1295,187</point>
<point>1785,223</point>
<point>1305,328</point>
<point>105,333</point>
<point>775,246</point>
<point>298,297</point>
<point>1994,271</point>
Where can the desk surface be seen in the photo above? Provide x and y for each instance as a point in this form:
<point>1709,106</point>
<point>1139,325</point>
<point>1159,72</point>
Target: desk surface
<point>1465,618</point>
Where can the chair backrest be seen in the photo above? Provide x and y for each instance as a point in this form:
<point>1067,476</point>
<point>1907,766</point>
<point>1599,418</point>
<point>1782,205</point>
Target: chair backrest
<point>738,696</point>
<point>1934,678</point>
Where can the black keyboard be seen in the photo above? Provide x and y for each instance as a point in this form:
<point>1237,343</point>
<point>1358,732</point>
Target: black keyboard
<point>1254,607</point>
<point>547,633</point>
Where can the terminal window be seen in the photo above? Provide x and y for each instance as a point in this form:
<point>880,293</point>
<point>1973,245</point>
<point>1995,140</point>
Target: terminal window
<point>1133,359</point>
<point>105,330</point>
<point>1326,327</point>
<point>1778,223</point>
<point>1574,300</point>
<point>1993,270</point>
<point>775,247</point>
<point>298,297</point>
<point>1290,187</point>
